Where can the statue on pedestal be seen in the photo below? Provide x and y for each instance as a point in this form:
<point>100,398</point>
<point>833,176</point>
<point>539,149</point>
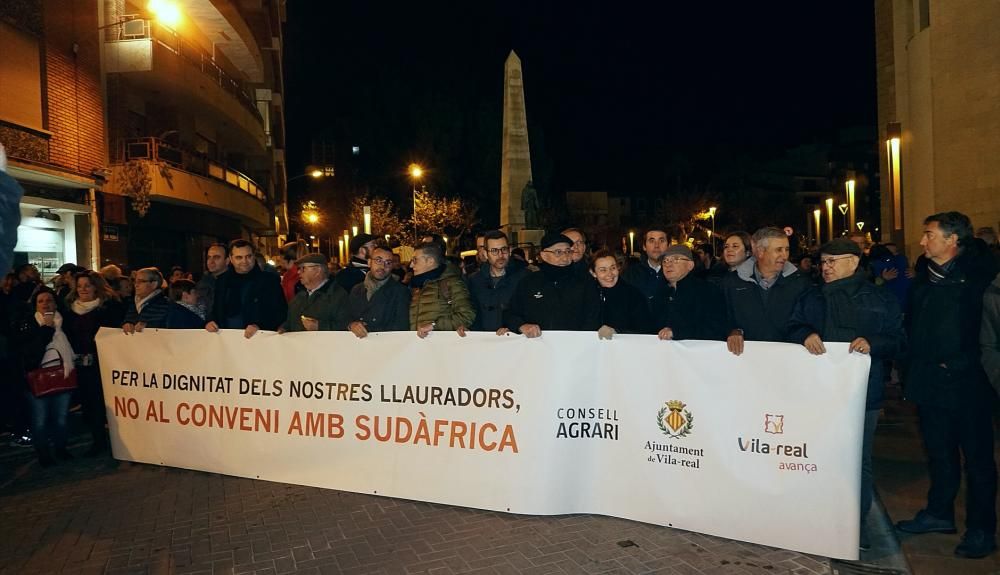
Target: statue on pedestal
<point>529,203</point>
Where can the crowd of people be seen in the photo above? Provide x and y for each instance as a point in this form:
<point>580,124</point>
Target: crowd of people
<point>928,322</point>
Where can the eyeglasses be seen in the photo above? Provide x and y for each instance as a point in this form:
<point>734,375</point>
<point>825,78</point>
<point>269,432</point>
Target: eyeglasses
<point>675,259</point>
<point>497,251</point>
<point>830,261</point>
<point>560,253</point>
<point>383,261</point>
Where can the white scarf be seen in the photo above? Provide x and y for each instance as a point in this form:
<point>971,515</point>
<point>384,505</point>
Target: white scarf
<point>59,343</point>
<point>82,308</point>
<point>141,303</point>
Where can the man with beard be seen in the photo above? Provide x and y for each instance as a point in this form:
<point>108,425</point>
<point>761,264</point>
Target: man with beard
<point>848,308</point>
<point>247,297</point>
<point>493,286</point>
<point>762,291</point>
<point>354,271</point>
<point>380,302</point>
<point>554,297</point>
<point>646,274</point>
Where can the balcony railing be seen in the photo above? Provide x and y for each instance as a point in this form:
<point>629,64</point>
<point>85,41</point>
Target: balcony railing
<point>155,149</point>
<point>134,28</point>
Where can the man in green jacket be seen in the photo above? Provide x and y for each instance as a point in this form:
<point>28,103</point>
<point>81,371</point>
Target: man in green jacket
<point>322,306</point>
<point>440,298</point>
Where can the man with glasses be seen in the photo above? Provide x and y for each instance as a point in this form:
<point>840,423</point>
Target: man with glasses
<point>149,306</point>
<point>849,308</point>
<point>761,293</point>
<point>322,305</point>
<point>686,306</point>
<point>380,302</point>
<point>554,297</point>
<point>646,274</point>
<point>493,285</point>
<point>247,297</point>
<point>579,261</point>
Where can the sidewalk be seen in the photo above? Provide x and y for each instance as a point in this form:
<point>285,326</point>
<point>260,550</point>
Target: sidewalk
<point>901,480</point>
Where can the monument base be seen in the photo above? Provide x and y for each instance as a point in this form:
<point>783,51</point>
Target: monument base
<point>529,237</point>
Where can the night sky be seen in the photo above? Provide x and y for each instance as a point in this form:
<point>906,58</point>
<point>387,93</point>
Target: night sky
<point>614,90</point>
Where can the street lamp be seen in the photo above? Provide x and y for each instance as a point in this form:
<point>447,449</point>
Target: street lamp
<point>167,12</point>
<point>711,212</point>
<point>816,215</point>
<point>631,243</point>
<point>843,212</point>
<point>849,184</point>
<point>829,219</point>
<point>416,173</point>
<point>314,174</point>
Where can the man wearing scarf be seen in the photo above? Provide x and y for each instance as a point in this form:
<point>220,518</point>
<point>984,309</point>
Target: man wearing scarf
<point>247,297</point>
<point>321,305</point>
<point>380,302</point>
<point>149,306</point>
<point>555,297</point>
<point>947,382</point>
<point>439,299</point>
<point>849,308</point>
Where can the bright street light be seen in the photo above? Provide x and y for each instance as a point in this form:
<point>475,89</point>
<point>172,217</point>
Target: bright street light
<point>167,12</point>
<point>416,172</point>
<point>316,173</point>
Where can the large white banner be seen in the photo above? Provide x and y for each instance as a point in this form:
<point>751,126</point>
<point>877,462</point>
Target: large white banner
<point>764,447</point>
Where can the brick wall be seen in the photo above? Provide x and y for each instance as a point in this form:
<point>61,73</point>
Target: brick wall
<point>73,85</point>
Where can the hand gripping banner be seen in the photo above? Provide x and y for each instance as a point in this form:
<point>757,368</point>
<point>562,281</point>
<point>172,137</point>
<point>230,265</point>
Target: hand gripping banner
<point>764,447</point>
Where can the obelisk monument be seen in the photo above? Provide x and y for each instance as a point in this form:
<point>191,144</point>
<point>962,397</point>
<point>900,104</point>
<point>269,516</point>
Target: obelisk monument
<point>515,162</point>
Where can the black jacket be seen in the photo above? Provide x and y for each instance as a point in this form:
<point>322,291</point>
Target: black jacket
<point>554,298</point>
<point>352,274</point>
<point>943,325</point>
<point>261,303</point>
<point>154,313</point>
<point>695,309</point>
<point>649,281</point>
<point>851,308</point>
<point>180,317</point>
<point>388,310</point>
<point>762,317</point>
<point>624,308</point>
<point>492,300</point>
<point>82,329</point>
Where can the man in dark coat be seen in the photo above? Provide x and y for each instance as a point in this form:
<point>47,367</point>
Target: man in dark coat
<point>646,273</point>
<point>380,302</point>
<point>493,286</point>
<point>247,297</point>
<point>849,308</point>
<point>322,304</point>
<point>555,297</point>
<point>354,272</point>
<point>761,292</point>
<point>947,382</point>
<point>148,307</point>
<point>686,306</point>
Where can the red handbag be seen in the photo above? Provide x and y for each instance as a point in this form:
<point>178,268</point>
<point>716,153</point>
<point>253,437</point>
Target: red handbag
<point>49,380</point>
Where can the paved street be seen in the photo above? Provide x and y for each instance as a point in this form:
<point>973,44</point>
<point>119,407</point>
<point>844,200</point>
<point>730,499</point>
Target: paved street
<point>100,516</point>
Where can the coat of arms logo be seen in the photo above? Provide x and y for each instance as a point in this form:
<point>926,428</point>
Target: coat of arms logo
<point>674,419</point>
<point>774,423</point>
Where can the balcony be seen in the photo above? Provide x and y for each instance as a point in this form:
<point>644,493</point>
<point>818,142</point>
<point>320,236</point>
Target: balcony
<point>188,178</point>
<point>168,67</point>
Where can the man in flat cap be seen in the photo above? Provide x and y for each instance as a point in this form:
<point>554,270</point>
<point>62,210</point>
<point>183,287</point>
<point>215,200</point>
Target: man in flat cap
<point>322,305</point>
<point>851,309</point>
<point>686,306</point>
<point>554,297</point>
<point>762,291</point>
